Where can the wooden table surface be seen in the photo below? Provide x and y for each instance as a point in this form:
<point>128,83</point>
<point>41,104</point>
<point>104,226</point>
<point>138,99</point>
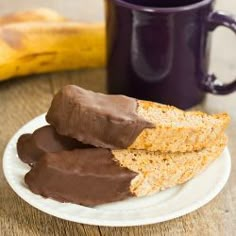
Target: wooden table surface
<point>24,98</point>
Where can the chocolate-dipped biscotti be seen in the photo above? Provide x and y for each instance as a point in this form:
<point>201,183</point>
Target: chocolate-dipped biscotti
<point>31,147</point>
<point>95,176</point>
<point>120,122</point>
<point>103,148</point>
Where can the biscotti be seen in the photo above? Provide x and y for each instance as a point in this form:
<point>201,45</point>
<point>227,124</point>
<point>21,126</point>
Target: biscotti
<point>177,130</point>
<point>95,176</point>
<point>120,122</point>
<point>31,147</point>
<point>83,176</point>
<point>158,171</point>
<point>105,148</point>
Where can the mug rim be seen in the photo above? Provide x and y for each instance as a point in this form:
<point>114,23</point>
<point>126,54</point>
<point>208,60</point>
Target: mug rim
<point>189,7</point>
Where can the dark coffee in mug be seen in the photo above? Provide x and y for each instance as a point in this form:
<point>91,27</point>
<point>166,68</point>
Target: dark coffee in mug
<point>159,49</point>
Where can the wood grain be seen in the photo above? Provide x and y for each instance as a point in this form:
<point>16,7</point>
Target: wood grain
<point>24,98</point>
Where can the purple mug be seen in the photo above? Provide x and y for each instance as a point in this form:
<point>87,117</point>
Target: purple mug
<point>159,49</point>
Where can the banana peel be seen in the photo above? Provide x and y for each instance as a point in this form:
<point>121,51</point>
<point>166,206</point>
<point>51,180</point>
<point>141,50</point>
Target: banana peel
<point>49,43</point>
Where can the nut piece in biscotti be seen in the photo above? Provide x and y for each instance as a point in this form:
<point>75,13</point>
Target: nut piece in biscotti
<point>119,122</point>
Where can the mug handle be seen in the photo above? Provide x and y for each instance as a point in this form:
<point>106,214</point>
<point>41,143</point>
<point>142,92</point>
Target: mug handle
<point>211,83</point>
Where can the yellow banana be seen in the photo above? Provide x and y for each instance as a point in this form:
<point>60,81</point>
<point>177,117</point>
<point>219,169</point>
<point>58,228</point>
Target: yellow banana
<point>40,14</point>
<point>37,47</point>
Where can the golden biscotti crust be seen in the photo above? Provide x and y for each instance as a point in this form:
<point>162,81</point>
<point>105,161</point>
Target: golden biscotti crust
<point>177,130</point>
<point>158,171</point>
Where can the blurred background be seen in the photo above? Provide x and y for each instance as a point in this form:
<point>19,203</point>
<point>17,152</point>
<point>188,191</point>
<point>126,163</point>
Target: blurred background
<point>92,11</point>
<point>69,8</point>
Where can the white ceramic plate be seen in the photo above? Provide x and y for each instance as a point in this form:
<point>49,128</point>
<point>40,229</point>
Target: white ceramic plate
<point>160,207</point>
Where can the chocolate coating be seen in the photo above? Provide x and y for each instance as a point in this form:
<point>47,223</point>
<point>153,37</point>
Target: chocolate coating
<point>31,147</point>
<point>83,176</point>
<point>108,121</point>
